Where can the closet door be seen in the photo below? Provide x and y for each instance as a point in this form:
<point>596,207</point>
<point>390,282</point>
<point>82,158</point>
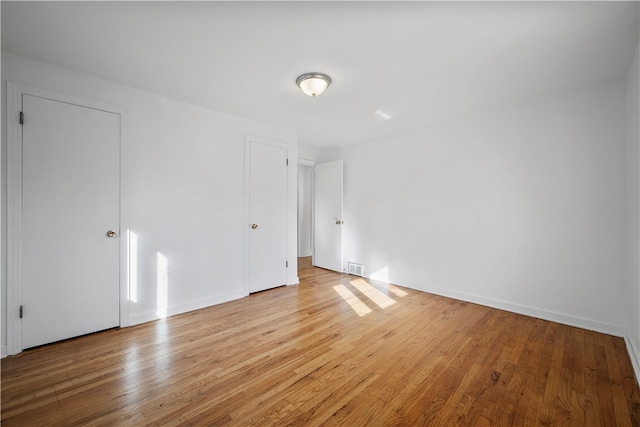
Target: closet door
<point>70,220</point>
<point>267,216</point>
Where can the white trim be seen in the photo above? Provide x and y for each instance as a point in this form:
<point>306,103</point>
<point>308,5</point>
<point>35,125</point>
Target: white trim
<point>247,200</point>
<point>150,316</point>
<point>634,354</point>
<point>14,213</point>
<point>247,211</point>
<point>305,162</point>
<point>578,322</point>
<point>312,163</point>
<point>14,203</point>
<point>125,305</point>
<point>313,215</point>
<point>3,351</point>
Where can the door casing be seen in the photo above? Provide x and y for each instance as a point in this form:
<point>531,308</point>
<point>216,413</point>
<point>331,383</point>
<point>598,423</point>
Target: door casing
<point>15,93</point>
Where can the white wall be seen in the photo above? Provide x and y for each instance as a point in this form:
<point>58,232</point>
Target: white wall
<point>633,211</point>
<point>521,208</point>
<point>186,175</point>
<point>307,153</point>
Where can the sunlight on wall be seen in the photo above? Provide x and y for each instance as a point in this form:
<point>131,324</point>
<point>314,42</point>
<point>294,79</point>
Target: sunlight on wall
<point>133,266</point>
<point>382,274</point>
<point>374,294</point>
<point>162,285</point>
<point>358,306</point>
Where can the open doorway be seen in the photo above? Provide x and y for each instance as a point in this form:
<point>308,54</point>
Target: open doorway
<point>305,213</point>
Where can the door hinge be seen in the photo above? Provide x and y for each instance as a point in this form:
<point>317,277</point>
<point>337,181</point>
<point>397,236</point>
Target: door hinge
<point>287,162</point>
<point>21,118</point>
<point>21,312</point>
<point>286,263</point>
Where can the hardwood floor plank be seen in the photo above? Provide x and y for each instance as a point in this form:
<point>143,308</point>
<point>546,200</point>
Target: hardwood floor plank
<point>303,355</point>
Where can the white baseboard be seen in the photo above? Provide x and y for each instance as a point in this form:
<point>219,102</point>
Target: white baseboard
<point>149,316</point>
<point>579,322</point>
<point>3,351</point>
<point>634,354</point>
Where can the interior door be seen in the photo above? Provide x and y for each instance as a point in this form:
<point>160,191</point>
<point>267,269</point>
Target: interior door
<point>70,195</point>
<point>268,216</point>
<point>328,216</point>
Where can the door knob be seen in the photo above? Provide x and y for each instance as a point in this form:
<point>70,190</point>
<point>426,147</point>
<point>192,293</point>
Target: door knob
<point>254,226</point>
<point>339,222</point>
<point>111,233</point>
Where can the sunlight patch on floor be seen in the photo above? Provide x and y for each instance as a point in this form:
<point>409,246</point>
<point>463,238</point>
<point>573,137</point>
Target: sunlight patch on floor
<point>356,304</point>
<point>379,298</point>
<point>395,290</point>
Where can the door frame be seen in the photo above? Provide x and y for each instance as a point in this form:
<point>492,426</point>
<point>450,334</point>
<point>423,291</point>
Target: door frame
<point>15,93</point>
<point>311,163</point>
<point>247,204</point>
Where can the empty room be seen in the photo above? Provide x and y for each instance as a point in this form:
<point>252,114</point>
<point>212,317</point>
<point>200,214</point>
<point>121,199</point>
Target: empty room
<point>320,213</point>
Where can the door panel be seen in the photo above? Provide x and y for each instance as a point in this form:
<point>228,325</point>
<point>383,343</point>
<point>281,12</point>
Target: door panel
<point>268,211</point>
<point>71,185</point>
<point>328,216</point>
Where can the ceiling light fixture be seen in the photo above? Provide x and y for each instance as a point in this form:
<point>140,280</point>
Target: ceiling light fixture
<point>313,84</point>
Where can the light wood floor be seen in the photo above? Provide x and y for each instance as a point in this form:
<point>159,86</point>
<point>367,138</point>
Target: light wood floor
<point>335,350</point>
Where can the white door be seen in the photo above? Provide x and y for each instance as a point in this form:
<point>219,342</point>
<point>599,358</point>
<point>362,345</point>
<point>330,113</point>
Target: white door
<point>70,200</point>
<point>267,216</point>
<point>328,216</point>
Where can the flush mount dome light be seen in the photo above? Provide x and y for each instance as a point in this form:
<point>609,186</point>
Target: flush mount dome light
<point>313,84</point>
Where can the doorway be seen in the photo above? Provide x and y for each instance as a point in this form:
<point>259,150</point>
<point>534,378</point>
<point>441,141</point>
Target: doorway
<point>320,216</point>
<point>305,209</point>
<point>305,213</point>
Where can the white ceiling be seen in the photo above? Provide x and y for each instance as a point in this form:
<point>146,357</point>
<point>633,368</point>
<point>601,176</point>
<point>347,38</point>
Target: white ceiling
<point>420,62</point>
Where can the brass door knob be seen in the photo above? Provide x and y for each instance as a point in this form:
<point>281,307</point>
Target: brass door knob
<point>254,226</point>
<point>339,222</point>
<point>111,233</point>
